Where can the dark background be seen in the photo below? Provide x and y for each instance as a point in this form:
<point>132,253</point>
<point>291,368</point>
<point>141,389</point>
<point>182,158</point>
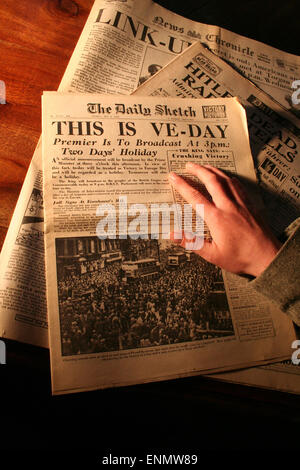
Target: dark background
<point>274,22</point>
<point>194,413</point>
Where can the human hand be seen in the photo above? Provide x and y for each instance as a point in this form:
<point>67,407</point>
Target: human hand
<point>241,242</point>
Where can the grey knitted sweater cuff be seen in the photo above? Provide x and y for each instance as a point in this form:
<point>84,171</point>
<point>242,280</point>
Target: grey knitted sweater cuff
<point>280,281</point>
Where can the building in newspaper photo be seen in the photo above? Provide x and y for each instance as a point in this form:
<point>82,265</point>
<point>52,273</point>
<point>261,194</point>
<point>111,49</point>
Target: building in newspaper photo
<point>128,294</point>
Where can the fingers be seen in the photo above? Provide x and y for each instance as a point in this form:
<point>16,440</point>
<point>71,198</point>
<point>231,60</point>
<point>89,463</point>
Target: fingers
<point>190,194</point>
<point>206,249</point>
<point>242,194</point>
<point>217,184</point>
<point>238,190</point>
<point>213,169</point>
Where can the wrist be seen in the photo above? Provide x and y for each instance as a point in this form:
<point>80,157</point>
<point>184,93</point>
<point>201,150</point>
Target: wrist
<point>267,255</point>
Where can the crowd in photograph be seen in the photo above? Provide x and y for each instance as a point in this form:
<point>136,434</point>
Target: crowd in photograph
<point>99,312</point>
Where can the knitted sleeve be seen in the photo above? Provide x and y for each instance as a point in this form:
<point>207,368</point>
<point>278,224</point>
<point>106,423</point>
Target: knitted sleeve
<point>280,281</point>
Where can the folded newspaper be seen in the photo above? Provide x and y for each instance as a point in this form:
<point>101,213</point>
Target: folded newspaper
<point>125,305</point>
<point>275,143</point>
<point>274,139</point>
<point>122,44</point>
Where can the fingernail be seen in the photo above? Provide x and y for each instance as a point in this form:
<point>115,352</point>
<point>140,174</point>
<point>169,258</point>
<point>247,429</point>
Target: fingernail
<point>172,176</point>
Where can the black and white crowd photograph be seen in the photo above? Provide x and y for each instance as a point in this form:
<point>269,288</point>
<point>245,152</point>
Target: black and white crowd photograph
<point>128,294</point>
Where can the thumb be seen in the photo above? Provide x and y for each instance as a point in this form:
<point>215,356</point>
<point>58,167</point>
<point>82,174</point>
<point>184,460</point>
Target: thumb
<point>204,248</point>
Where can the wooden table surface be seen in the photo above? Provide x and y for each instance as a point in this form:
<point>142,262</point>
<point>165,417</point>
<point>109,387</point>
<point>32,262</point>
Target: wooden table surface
<point>37,38</point>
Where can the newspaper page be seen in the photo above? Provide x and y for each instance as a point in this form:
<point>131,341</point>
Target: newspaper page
<point>275,146</point>
<point>23,307</point>
<point>122,45</point>
<point>132,295</point>
<point>274,140</point>
<point>283,376</point>
<point>147,36</point>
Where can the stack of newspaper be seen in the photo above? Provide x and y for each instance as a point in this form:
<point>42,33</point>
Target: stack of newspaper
<point>145,92</point>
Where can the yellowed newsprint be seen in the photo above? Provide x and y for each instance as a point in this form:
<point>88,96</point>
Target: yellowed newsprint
<point>133,309</point>
<point>275,146</point>
<point>274,139</point>
<point>121,46</point>
<point>138,37</point>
